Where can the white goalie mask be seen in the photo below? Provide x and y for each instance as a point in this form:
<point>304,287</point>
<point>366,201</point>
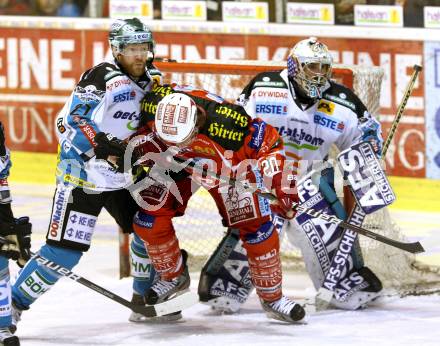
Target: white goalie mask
<point>309,64</point>
<point>176,119</point>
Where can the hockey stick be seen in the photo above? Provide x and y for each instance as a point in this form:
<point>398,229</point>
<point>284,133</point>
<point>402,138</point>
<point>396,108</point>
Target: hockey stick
<point>178,303</point>
<point>401,108</point>
<point>357,215</point>
<point>415,247</point>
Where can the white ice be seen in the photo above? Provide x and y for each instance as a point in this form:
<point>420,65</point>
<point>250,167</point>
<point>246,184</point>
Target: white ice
<point>71,314</point>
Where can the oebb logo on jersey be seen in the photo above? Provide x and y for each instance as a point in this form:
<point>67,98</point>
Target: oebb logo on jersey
<point>124,96</point>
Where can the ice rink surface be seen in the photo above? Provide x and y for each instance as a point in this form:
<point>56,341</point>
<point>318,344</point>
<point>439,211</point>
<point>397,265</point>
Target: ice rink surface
<point>71,314</point>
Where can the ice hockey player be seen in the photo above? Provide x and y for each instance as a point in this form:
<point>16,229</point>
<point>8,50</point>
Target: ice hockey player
<point>106,100</point>
<point>18,233</point>
<point>201,127</point>
<point>311,113</point>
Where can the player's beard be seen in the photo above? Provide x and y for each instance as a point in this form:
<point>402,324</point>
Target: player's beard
<point>137,69</point>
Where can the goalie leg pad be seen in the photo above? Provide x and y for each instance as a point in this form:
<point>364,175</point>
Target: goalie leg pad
<point>312,250</point>
<point>356,299</point>
<point>325,181</point>
<point>36,279</point>
<point>225,281</point>
<point>356,287</point>
<point>318,240</point>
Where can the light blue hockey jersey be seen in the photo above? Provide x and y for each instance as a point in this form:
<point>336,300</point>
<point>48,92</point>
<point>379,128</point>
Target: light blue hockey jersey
<point>104,100</point>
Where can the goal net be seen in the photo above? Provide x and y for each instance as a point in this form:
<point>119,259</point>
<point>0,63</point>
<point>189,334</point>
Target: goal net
<point>200,230</point>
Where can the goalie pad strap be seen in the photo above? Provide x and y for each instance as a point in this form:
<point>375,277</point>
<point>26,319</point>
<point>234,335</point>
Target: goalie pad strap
<point>226,273</point>
<point>222,252</point>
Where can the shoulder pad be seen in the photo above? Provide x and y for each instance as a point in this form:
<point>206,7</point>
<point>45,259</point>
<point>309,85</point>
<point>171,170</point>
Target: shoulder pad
<point>99,75</point>
<point>226,124</point>
<point>154,72</point>
<point>270,79</point>
<point>344,96</point>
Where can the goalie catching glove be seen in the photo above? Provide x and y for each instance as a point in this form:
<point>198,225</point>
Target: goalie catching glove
<point>19,233</point>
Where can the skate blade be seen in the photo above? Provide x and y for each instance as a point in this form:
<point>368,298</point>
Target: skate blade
<point>138,318</point>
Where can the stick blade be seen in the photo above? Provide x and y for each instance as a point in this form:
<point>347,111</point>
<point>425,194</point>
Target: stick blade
<point>415,248</point>
<point>179,303</point>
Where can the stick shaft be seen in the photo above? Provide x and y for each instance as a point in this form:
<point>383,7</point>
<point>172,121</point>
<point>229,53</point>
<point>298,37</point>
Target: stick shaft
<point>401,108</point>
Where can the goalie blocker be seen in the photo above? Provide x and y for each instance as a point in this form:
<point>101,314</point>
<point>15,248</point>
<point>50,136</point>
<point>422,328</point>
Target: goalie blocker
<point>222,282</point>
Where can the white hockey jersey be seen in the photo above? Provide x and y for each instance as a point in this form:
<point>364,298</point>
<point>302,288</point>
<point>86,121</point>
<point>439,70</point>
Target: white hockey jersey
<point>308,131</point>
<point>104,100</point>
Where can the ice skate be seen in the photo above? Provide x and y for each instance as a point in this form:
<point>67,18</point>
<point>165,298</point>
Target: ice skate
<point>139,318</point>
<point>284,309</point>
<point>163,290</point>
<point>7,339</point>
<point>16,317</point>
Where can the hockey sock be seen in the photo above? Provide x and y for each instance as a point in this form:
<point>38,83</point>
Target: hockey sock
<point>141,269</point>
<point>167,259</point>
<point>162,245</point>
<point>265,263</point>
<point>5,294</point>
<point>36,279</point>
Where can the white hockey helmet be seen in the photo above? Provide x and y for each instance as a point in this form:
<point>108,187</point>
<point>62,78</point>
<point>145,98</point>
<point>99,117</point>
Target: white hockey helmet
<point>176,119</point>
<point>309,64</point>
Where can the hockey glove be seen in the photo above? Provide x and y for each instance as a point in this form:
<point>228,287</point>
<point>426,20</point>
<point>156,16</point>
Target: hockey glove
<point>372,132</point>
<point>245,176</point>
<point>20,234</point>
<point>111,149</point>
<point>283,187</point>
<point>2,140</point>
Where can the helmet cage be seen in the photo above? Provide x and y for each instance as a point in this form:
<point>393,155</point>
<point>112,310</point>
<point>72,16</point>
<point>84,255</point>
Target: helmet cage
<point>310,65</point>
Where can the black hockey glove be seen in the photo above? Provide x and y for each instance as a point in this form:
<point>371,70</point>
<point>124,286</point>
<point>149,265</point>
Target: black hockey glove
<point>2,140</point>
<point>111,149</point>
<point>19,233</point>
